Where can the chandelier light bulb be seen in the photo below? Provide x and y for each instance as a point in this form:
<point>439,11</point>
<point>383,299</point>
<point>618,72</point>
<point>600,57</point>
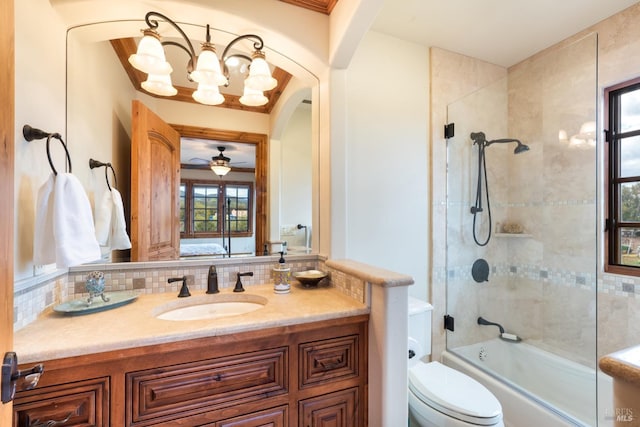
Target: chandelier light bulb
<point>208,68</point>
<point>260,74</point>
<point>252,97</point>
<point>208,94</point>
<point>150,57</point>
<point>159,84</point>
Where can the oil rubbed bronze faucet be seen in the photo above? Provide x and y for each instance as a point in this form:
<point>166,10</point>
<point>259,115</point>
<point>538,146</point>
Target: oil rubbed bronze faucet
<point>212,281</point>
<point>239,287</point>
<point>184,290</point>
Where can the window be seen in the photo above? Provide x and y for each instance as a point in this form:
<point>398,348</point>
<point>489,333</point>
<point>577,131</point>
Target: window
<point>203,205</point>
<point>623,179</point>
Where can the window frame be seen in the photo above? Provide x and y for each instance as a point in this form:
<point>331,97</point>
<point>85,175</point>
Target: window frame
<point>612,166</point>
<point>189,232</point>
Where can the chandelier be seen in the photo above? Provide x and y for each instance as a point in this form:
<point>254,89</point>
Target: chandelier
<point>205,69</point>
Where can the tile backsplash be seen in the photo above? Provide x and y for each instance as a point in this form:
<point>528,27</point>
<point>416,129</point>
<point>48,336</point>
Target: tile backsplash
<point>32,299</point>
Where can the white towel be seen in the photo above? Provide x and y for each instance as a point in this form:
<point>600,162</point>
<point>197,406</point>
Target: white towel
<point>103,215</point>
<point>119,238</point>
<point>44,247</point>
<point>73,227</point>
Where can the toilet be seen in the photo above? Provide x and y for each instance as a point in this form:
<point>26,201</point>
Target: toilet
<point>440,396</point>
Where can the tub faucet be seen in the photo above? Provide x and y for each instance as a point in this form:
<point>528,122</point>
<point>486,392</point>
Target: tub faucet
<point>239,287</point>
<point>184,290</point>
<point>482,321</point>
<point>503,335</point>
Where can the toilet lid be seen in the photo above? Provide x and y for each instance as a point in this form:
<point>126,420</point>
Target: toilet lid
<point>453,393</point>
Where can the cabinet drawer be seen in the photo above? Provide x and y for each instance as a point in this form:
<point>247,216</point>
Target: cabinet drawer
<point>328,360</point>
<point>160,394</point>
<point>82,403</point>
<point>275,417</point>
<point>338,409</point>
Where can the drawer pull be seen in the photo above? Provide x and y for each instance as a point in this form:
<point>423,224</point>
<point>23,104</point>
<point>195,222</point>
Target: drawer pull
<point>51,423</point>
<point>331,363</point>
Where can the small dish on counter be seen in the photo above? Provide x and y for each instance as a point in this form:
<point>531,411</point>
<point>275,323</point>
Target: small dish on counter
<point>82,306</point>
<point>310,278</point>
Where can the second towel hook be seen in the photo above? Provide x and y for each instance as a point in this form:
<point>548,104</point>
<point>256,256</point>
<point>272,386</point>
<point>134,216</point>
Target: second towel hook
<point>97,164</point>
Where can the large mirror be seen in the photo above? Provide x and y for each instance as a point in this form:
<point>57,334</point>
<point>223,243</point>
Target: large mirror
<point>271,148</point>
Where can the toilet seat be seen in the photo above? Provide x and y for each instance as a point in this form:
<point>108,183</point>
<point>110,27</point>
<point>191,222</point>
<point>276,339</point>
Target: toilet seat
<point>454,394</point>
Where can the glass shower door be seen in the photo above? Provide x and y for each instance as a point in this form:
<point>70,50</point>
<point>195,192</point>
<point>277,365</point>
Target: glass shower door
<point>536,275</point>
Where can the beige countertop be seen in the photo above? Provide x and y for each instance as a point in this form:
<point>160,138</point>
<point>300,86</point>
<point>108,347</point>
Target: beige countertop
<point>55,335</point>
<point>623,365</point>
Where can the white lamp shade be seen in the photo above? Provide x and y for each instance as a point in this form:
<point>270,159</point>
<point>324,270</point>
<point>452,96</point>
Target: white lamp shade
<point>208,94</point>
<point>219,169</point>
<point>159,84</point>
<point>150,56</point>
<point>208,68</point>
<point>252,97</point>
<point>259,74</point>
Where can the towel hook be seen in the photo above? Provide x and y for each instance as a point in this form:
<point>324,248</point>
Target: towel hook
<point>97,164</point>
<point>31,133</point>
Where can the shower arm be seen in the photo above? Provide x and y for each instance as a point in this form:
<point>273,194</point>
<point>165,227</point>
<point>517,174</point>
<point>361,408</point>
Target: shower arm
<point>501,141</point>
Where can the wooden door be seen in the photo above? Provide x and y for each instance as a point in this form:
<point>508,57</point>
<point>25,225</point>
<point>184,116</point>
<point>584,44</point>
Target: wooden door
<point>7,123</point>
<point>155,186</point>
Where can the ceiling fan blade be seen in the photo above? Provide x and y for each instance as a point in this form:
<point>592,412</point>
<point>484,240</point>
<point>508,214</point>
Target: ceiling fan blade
<point>198,160</point>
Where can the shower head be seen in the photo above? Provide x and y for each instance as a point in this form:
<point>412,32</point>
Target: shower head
<point>520,148</point>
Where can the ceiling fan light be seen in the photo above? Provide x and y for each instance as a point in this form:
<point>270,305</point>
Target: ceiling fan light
<point>159,84</point>
<point>219,168</point>
<point>252,97</point>
<point>208,68</point>
<point>208,94</point>
<point>150,58</point>
<point>259,73</point>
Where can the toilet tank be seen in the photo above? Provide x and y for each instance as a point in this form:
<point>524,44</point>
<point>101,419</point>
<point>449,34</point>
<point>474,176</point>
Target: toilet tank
<point>420,326</point>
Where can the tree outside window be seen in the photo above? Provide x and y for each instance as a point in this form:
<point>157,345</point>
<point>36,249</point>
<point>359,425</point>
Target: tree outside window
<point>209,208</point>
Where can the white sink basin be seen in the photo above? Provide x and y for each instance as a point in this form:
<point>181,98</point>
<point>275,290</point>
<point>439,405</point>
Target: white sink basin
<point>209,307</point>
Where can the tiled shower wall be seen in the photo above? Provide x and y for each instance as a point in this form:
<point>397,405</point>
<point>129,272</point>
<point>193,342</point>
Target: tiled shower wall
<point>554,279</point>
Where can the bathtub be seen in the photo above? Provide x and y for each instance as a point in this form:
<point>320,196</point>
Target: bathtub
<point>536,388</point>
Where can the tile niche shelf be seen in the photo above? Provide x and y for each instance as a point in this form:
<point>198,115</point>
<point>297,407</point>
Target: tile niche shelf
<point>513,235</point>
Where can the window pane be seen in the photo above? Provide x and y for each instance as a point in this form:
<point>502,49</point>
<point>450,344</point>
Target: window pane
<point>630,202</point>
<point>630,111</point>
<point>630,157</point>
<point>183,200</point>
<point>630,246</point>
<point>205,208</point>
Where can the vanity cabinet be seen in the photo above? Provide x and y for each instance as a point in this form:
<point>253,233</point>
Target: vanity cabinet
<point>307,375</point>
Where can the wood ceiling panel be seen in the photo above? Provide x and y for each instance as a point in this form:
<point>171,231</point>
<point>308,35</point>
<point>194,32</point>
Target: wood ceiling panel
<point>322,6</point>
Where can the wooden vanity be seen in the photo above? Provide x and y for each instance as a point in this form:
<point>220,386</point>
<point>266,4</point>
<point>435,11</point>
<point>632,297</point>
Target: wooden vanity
<point>301,360</point>
<point>310,374</point>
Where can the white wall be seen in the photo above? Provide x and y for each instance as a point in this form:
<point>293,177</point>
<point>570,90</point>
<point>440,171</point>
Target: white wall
<point>296,177</point>
<point>39,102</point>
<point>387,102</point>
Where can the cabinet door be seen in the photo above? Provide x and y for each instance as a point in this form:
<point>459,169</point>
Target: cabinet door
<point>275,417</point>
<point>82,403</point>
<point>338,409</point>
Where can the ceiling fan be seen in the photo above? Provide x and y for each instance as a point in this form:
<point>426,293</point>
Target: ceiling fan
<point>219,164</point>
